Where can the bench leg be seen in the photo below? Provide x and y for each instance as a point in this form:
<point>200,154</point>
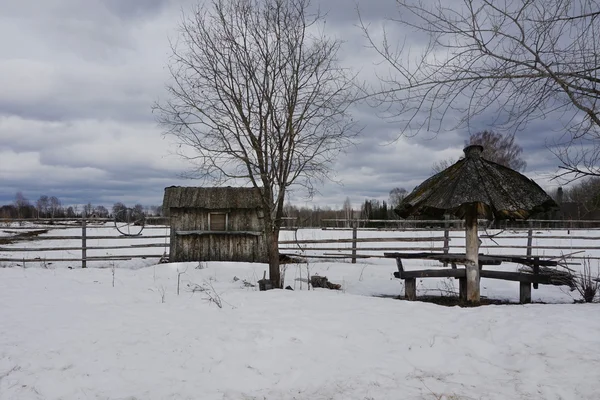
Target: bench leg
<point>462,289</point>
<point>410,289</point>
<point>524,292</point>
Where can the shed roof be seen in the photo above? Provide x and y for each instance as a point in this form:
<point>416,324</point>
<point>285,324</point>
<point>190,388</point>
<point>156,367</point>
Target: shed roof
<point>213,198</point>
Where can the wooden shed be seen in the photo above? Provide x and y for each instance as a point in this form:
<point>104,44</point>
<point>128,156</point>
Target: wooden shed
<point>215,224</point>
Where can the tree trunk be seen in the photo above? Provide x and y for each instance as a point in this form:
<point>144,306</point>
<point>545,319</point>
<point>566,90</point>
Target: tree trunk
<point>472,255</point>
<point>272,237</point>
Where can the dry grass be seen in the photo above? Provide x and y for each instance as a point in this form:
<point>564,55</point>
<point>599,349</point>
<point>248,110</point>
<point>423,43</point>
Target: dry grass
<point>587,282</point>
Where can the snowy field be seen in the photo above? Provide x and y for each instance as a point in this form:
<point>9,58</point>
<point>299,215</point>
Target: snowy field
<point>121,331</point>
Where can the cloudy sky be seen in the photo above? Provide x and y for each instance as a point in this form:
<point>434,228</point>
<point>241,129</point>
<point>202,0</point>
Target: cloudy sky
<point>78,79</point>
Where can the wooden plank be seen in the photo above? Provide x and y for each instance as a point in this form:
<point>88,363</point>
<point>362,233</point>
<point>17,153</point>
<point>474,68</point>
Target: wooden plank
<point>99,258</point>
<point>525,292</point>
<point>338,255</point>
<point>516,276</point>
<point>450,258</point>
<point>142,236</point>
<point>400,273</point>
<point>36,249</point>
<point>384,249</point>
<point>536,270</point>
<point>223,233</point>
<point>410,289</point>
<point>365,240</point>
<point>354,241</point>
<point>446,248</point>
<point>434,273</point>
<point>83,242</point>
<point>540,237</point>
<point>326,256</point>
<point>533,247</point>
<point>485,259</point>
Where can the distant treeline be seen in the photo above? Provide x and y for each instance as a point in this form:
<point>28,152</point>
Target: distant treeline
<point>580,202</point>
<point>52,207</point>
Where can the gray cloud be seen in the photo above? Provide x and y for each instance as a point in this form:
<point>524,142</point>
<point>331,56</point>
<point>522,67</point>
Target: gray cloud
<point>78,80</point>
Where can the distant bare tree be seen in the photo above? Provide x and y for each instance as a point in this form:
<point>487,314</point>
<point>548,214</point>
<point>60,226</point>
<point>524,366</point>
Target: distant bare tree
<point>500,149</point>
<point>70,212</point>
<point>441,165</point>
<point>138,209</point>
<point>101,212</point>
<point>22,205</point>
<point>523,60</point>
<point>88,209</point>
<point>396,196</point>
<point>42,205</point>
<point>497,148</point>
<point>156,211</point>
<point>257,96</point>
<point>117,208</point>
<point>347,210</point>
<point>586,193</point>
<point>55,206</point>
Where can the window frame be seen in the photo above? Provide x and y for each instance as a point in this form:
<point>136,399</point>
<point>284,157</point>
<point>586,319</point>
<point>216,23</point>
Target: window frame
<point>210,228</point>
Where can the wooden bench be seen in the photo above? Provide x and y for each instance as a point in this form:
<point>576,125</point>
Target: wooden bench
<point>525,279</point>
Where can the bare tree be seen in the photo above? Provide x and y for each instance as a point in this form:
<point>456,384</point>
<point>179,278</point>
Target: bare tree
<point>396,196</point>
<point>441,165</point>
<point>55,206</point>
<point>586,193</point>
<point>22,205</point>
<point>118,209</point>
<point>521,60</point>
<point>101,212</point>
<point>257,96</point>
<point>347,211</point>
<point>42,205</point>
<point>497,147</point>
<point>500,149</point>
<point>88,209</point>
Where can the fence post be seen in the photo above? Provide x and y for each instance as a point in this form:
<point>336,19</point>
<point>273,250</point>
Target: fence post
<point>529,242</point>
<point>83,241</point>
<point>354,236</point>
<point>446,248</point>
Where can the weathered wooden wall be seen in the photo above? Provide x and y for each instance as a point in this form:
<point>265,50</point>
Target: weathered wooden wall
<point>238,244</point>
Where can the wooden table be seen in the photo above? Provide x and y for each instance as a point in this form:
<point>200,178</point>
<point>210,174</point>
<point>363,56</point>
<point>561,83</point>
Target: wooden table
<point>525,279</point>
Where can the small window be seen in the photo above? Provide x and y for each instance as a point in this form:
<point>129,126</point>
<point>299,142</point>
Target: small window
<point>217,222</point>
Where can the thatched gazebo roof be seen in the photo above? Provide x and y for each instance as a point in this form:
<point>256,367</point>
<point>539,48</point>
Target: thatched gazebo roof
<point>212,198</point>
<point>498,192</point>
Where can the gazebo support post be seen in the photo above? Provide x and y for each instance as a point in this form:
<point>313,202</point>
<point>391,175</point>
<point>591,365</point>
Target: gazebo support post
<point>472,254</point>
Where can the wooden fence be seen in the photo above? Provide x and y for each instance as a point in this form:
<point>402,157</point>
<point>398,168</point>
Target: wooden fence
<point>360,243</point>
<point>446,240</point>
<point>79,248</point>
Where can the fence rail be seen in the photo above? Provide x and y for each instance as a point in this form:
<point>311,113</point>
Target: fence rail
<point>532,241</point>
<point>89,240</point>
<point>87,244</point>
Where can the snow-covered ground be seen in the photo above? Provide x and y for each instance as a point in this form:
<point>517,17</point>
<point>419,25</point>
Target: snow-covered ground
<point>70,334</point>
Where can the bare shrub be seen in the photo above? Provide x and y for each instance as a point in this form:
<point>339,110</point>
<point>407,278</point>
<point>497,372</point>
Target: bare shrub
<point>587,282</point>
<point>208,290</point>
<point>162,291</point>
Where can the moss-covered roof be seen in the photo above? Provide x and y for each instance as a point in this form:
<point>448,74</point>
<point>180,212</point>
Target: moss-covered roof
<point>499,192</point>
<point>212,198</point>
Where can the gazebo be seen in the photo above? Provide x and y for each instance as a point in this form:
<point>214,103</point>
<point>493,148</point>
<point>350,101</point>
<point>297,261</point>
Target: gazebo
<point>475,187</point>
